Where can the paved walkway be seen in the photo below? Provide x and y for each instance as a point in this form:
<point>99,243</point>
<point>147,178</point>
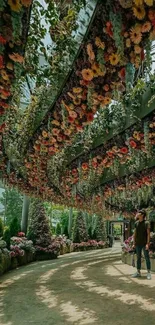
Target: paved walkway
<point>81,288</point>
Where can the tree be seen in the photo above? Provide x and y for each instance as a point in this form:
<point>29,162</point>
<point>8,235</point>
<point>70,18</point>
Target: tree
<point>12,201</point>
<point>39,229</point>
<point>14,227</point>
<point>100,229</point>
<point>1,228</point>
<point>58,229</point>
<point>80,230</point>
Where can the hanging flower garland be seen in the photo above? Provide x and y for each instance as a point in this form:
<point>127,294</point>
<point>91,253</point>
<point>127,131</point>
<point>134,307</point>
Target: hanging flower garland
<point>100,74</point>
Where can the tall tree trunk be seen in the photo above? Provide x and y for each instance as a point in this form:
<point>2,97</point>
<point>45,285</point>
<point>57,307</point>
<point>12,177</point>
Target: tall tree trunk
<point>70,222</point>
<point>25,213</point>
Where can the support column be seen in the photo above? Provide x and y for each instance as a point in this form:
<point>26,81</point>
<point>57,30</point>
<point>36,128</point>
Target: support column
<point>25,212</point>
<point>70,222</point>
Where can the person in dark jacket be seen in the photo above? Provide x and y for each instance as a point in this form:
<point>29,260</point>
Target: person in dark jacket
<point>141,243</point>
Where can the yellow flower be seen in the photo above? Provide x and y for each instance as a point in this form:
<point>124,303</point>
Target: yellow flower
<point>114,59</point>
<point>135,36</point>
<point>128,42</point>
<point>139,12</point>
<point>138,2</point>
<point>4,75</point>
<point>15,5</point>
<point>146,27</point>
<point>77,90</point>
<point>99,43</point>
<point>149,2</point>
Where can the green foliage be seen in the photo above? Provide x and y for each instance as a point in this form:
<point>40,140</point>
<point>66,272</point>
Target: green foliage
<point>1,228</point>
<point>5,262</point>
<point>14,227</point>
<point>80,229</point>
<point>100,229</point>
<point>58,229</point>
<point>39,229</point>
<point>7,236</point>
<point>12,201</point>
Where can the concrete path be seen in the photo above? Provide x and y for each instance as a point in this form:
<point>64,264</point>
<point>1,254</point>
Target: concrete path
<point>80,288</point>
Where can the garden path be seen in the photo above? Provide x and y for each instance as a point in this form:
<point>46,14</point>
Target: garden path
<point>80,288</point>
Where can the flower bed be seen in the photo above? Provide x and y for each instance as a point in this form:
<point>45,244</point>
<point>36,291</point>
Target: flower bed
<point>127,253</point>
<point>89,245</point>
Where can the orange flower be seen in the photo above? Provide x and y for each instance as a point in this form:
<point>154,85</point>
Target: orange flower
<point>73,114</point>
<point>137,49</point>
<point>90,52</point>
<point>26,3</point>
<point>87,74</point>
<point>96,69</point>
<point>15,5</point>
<point>99,43</point>
<point>55,131</point>
<point>114,59</point>
<point>149,2</point>
<point>107,100</point>
<point>4,93</point>
<point>135,36</point>
<point>108,29</point>
<point>146,27</point>
<point>16,57</point>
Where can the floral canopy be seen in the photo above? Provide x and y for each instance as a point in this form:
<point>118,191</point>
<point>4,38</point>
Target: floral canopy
<point>93,146</point>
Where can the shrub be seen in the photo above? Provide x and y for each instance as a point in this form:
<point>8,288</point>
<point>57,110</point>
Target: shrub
<point>58,229</point>
<point>80,230</point>
<point>7,236</point>
<point>14,227</point>
<point>39,230</point>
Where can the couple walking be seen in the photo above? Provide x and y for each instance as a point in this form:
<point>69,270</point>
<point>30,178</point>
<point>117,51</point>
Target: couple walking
<point>141,240</point>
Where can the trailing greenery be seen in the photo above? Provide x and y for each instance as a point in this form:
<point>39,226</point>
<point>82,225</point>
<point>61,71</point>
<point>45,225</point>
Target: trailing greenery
<point>12,202</point>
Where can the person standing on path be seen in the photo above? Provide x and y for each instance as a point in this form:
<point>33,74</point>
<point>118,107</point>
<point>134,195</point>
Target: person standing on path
<point>141,240</point>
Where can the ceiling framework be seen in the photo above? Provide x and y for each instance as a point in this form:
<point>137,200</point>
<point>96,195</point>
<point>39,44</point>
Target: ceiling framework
<point>94,145</point>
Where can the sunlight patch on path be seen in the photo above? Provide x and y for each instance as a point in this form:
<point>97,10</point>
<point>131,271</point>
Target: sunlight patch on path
<point>124,272</point>
<point>47,296</point>
<point>77,316</point>
<point>126,298</point>
<point>77,274</point>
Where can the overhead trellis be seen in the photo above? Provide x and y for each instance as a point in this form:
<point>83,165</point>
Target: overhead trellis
<point>72,142</point>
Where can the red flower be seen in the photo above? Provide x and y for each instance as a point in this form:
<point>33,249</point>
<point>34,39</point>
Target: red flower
<point>1,62</point>
<point>2,40</point>
<point>133,144</point>
<point>124,150</point>
<point>121,73</point>
<point>90,117</point>
<point>3,104</point>
<point>5,93</point>
<point>2,127</point>
<point>142,55</point>
<point>108,29</point>
<point>110,154</point>
<point>94,164</point>
<point>74,171</point>
<point>71,119</point>
<point>85,166</point>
